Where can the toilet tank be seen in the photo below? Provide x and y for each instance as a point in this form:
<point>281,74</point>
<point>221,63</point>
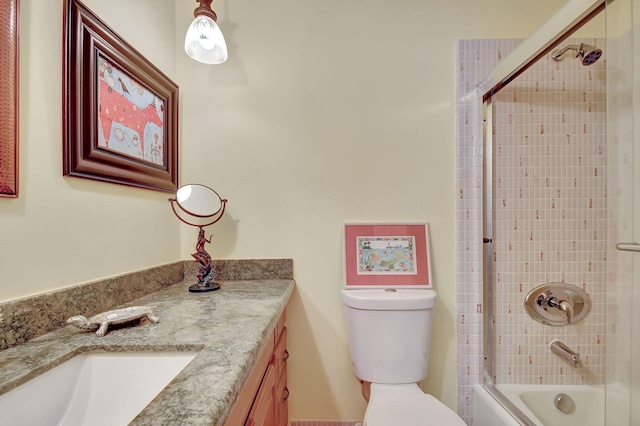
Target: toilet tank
<point>389,333</point>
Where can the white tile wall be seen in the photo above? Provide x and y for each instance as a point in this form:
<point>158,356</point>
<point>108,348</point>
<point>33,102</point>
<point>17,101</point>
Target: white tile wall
<point>550,159</point>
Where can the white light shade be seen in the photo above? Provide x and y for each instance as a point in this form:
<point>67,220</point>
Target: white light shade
<point>204,41</point>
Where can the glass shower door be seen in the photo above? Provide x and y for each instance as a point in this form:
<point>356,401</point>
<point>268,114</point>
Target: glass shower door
<point>623,263</point>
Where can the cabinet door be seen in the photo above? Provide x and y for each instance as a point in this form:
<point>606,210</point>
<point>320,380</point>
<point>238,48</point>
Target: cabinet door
<point>263,412</point>
<point>241,408</point>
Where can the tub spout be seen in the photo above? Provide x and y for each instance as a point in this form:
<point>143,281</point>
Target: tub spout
<point>564,352</point>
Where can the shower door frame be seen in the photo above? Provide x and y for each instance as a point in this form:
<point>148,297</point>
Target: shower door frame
<point>487,269</point>
<point>573,16</point>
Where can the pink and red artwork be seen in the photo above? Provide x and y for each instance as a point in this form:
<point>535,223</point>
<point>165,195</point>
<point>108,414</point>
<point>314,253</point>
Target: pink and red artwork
<point>130,116</point>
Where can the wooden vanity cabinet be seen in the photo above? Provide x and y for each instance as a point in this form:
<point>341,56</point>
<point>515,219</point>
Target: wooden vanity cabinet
<point>263,399</point>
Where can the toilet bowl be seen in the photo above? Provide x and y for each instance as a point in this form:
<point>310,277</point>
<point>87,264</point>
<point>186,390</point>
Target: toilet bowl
<point>407,405</point>
<point>389,341</point>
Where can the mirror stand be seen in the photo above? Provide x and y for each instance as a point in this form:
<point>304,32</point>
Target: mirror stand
<point>204,207</point>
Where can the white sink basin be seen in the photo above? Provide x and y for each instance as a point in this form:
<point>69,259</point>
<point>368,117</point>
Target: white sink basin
<point>93,389</point>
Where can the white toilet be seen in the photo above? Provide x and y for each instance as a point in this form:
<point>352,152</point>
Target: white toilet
<point>389,332</point>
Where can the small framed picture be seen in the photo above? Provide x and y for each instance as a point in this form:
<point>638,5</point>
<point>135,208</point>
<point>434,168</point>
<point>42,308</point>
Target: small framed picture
<point>386,255</point>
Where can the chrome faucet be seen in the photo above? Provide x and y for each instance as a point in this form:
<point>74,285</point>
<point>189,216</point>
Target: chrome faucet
<point>557,299</point>
<point>564,352</point>
<point>563,305</point>
<point>557,304</point>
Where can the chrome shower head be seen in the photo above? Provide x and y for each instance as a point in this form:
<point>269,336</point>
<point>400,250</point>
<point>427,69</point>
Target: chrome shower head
<point>588,54</point>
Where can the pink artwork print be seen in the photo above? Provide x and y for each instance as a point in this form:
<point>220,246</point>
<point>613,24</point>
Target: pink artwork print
<point>130,116</point>
<point>386,255</point>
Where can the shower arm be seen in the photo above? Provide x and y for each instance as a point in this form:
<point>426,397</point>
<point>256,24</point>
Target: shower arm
<point>558,55</point>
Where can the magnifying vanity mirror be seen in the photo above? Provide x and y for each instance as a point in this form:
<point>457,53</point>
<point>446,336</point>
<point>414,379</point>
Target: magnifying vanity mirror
<point>200,206</point>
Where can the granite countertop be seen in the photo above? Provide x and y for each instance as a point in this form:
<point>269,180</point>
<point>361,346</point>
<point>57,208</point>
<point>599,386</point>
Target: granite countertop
<point>228,328</point>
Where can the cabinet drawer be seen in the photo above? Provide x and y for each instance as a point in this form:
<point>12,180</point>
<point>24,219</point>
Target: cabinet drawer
<point>281,353</point>
<point>282,400</point>
<point>279,327</point>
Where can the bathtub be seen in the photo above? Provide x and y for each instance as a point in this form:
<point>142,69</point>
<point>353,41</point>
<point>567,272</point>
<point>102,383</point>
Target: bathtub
<point>537,403</point>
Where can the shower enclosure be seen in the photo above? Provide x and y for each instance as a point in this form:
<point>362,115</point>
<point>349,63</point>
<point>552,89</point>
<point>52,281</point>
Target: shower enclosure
<point>545,194</point>
<point>546,222</point>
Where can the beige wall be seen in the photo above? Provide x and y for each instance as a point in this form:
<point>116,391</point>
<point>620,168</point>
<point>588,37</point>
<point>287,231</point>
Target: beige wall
<point>62,231</point>
<point>329,112</point>
<point>325,112</point>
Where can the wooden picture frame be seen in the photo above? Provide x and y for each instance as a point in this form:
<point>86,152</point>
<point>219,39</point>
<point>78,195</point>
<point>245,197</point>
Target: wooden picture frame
<point>9,97</point>
<point>120,121</point>
<point>386,254</point>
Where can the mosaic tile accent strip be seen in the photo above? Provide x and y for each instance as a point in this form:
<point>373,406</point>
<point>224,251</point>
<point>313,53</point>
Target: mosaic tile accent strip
<point>550,158</point>
<point>476,59</point>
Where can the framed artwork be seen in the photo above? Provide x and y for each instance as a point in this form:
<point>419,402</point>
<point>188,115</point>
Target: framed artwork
<point>120,111</point>
<point>386,255</point>
<point>9,15</point>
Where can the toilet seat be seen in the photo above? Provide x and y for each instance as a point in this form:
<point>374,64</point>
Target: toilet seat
<point>407,405</point>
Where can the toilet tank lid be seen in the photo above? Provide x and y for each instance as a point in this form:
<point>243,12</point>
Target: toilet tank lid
<point>394,300</point>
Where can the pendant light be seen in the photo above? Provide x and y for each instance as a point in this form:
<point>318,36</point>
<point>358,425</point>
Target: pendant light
<point>204,41</point>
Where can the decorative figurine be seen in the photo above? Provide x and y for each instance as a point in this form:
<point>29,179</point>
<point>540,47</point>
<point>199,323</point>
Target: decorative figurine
<point>206,270</point>
<point>102,321</point>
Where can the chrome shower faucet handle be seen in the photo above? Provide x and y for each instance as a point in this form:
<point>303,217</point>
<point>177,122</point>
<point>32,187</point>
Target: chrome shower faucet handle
<point>557,300</point>
<point>557,304</point>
